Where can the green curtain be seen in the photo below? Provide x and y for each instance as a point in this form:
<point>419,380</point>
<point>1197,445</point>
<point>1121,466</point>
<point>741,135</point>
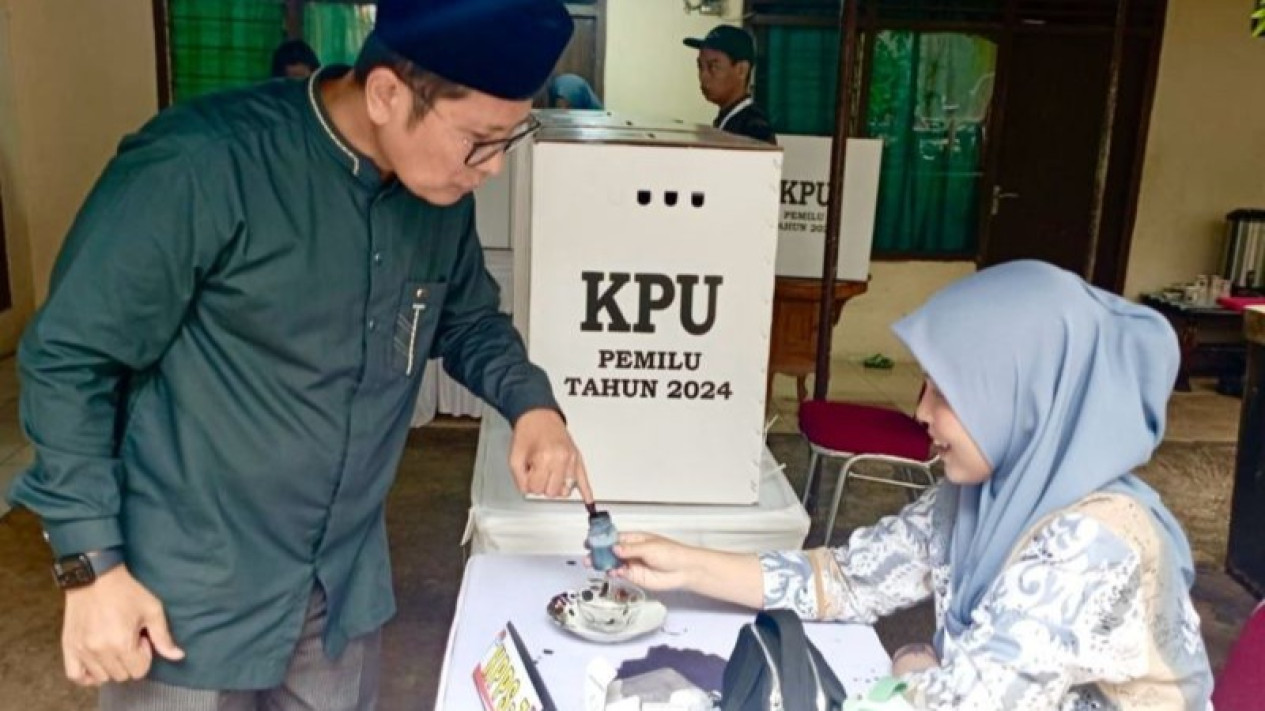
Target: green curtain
<point>795,81</point>
<point>929,100</point>
<point>218,44</point>
<point>337,29</point>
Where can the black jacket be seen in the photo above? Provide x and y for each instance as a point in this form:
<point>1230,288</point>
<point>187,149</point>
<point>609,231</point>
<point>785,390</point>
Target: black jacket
<point>748,120</point>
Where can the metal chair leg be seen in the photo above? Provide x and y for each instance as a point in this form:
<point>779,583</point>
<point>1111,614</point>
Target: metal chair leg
<point>911,495</point>
<point>813,462</point>
<point>834,507</point>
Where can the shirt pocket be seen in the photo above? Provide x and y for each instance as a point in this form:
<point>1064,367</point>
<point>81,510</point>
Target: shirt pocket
<point>416,320</point>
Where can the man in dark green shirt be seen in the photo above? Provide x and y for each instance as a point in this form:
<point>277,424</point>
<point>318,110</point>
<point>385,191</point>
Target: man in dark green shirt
<point>220,384</point>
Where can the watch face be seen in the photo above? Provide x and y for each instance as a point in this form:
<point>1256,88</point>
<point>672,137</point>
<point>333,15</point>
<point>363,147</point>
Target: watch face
<point>73,571</point>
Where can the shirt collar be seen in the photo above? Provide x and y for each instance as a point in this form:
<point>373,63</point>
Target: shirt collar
<point>357,163</point>
<point>730,111</point>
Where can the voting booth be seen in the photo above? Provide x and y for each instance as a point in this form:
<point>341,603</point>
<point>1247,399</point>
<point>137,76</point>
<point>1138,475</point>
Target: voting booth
<point>806,195</point>
<point>649,254</point>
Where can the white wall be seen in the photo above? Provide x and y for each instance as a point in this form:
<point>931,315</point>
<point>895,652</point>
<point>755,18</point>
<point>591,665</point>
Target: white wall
<point>896,289</point>
<point>648,71</point>
<point>1205,153</point>
<point>75,75</point>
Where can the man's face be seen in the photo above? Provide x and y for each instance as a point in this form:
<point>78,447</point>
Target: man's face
<point>429,155</point>
<point>720,78</point>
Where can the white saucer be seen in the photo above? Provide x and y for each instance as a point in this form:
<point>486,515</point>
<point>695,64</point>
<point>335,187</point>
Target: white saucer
<point>607,613</point>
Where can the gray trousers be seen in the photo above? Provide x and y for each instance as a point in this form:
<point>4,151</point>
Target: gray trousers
<point>313,682</point>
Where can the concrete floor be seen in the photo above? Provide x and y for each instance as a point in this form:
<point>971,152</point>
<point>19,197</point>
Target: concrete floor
<point>426,514</point>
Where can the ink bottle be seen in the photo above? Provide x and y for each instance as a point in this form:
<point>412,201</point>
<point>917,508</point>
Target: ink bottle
<point>602,536</point>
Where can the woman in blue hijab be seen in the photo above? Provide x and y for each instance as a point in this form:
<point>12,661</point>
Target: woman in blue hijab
<point>569,91</point>
<point>1060,580</point>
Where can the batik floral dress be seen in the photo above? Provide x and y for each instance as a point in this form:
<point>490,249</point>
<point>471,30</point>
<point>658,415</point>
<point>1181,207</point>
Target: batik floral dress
<point>1090,612</point>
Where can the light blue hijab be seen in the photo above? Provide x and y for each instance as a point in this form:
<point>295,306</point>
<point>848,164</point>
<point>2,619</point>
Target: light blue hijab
<point>575,90</point>
<point>1062,386</point>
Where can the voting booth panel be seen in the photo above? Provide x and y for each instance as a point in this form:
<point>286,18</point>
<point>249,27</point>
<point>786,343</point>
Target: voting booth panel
<point>805,196</point>
<point>651,264</point>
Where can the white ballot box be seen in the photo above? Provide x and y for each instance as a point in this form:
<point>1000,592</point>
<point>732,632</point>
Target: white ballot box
<point>503,521</point>
<point>649,254</point>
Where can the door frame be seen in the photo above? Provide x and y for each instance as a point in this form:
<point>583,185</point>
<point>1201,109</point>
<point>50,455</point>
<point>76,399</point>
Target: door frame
<point>1115,280</point>
<point>991,31</point>
<point>595,9</point>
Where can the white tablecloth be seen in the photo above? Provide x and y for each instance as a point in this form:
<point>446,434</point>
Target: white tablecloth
<point>516,588</point>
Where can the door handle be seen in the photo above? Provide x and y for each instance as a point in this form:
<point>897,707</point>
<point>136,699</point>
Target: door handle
<point>998,196</point>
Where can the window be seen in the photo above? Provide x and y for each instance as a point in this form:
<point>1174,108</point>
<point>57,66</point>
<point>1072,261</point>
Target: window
<point>219,44</point>
<point>796,78</point>
<point>928,99</point>
<point>337,29</point>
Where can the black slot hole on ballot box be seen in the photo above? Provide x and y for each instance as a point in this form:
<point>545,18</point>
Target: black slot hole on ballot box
<point>669,198</point>
<point>643,197</point>
<point>697,199</point>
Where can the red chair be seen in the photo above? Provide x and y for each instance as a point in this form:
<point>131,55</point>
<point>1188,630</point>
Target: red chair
<point>864,433</point>
<point>1241,686</point>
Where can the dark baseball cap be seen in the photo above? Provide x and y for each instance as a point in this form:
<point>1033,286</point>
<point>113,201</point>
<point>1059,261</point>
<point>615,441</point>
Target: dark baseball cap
<point>733,41</point>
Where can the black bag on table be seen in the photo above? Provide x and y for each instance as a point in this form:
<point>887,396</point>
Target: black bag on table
<point>774,667</point>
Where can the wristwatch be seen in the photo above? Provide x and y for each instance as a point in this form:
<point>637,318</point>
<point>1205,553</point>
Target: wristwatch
<point>83,569</point>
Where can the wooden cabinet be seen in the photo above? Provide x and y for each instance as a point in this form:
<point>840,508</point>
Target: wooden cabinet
<point>793,344</point>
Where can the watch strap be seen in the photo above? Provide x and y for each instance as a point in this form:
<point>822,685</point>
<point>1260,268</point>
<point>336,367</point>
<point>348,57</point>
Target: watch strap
<point>83,569</point>
<point>105,559</point>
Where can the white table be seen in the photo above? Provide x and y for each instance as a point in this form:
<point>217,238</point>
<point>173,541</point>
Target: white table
<point>498,588</point>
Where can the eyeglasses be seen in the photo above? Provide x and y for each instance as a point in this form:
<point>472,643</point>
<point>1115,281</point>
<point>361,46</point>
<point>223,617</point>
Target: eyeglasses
<point>484,151</point>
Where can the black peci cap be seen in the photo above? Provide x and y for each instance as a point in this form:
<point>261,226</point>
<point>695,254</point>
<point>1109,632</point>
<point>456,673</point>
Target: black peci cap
<point>506,48</point>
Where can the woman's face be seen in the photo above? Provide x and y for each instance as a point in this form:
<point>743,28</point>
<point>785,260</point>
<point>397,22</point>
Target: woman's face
<point>964,463</point>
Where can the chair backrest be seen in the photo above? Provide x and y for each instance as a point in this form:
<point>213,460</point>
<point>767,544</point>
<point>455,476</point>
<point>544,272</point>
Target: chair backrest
<point>1241,685</point>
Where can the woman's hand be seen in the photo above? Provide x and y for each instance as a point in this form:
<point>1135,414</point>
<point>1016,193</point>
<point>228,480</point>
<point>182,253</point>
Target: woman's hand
<point>656,563</point>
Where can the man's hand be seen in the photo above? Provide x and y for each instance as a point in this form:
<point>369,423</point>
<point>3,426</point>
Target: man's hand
<point>544,460</point>
<point>112,629</point>
<point>914,657</point>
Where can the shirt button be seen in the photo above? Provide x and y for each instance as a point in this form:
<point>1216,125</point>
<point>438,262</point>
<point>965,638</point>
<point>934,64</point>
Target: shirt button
<point>377,258</point>
<point>373,325</point>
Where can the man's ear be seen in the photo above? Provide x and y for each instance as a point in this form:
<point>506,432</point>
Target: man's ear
<point>383,91</point>
<point>745,68</point>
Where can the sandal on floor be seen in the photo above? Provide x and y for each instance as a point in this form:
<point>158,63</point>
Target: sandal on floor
<point>878,361</point>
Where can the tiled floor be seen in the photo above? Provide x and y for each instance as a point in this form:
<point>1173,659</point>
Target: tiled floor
<point>1201,415</point>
